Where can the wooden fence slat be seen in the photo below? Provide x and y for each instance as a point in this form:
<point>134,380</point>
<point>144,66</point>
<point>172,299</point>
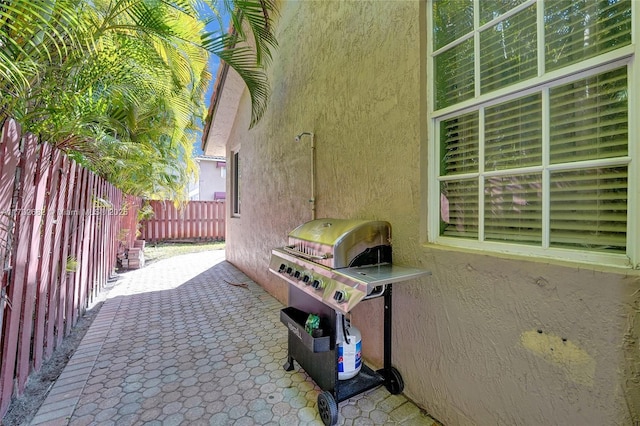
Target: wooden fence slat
<point>26,262</point>
<point>48,180</point>
<point>10,293</point>
<point>182,222</point>
<point>187,222</point>
<point>94,211</point>
<point>102,233</point>
<point>164,234</point>
<point>199,222</point>
<point>84,250</point>
<point>108,235</point>
<point>200,229</point>
<point>191,218</point>
<point>91,249</point>
<point>215,223</point>
<point>211,212</point>
<point>76,248</point>
<point>168,212</point>
<point>179,223</point>
<point>116,225</point>
<point>69,235</point>
<point>58,196</point>
<point>9,158</point>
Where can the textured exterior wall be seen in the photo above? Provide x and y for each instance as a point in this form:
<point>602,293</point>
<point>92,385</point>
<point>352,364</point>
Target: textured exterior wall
<point>210,180</point>
<point>484,340</point>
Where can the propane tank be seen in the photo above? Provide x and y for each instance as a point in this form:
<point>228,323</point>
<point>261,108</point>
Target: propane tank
<point>350,353</point>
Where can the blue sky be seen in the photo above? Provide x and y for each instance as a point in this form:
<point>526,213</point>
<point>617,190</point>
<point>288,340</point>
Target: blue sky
<point>214,62</point>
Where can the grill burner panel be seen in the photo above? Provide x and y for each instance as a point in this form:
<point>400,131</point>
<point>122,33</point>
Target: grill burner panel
<point>318,281</point>
<point>341,289</point>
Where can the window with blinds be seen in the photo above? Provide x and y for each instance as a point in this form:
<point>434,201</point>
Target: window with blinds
<point>235,184</point>
<point>531,124</point>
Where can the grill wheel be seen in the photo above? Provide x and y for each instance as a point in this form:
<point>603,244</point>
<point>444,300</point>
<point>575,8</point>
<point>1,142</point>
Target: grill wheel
<point>328,408</point>
<point>393,381</point>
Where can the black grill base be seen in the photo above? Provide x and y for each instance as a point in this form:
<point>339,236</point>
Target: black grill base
<point>321,363</point>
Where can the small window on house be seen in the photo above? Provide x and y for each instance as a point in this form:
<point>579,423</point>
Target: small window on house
<point>529,147</point>
<point>235,184</point>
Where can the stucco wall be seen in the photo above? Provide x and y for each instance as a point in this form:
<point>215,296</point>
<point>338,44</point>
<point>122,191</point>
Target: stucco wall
<point>484,340</point>
<point>210,180</point>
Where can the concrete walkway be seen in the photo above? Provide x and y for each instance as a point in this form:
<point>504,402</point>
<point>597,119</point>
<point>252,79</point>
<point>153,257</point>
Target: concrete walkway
<point>176,344</point>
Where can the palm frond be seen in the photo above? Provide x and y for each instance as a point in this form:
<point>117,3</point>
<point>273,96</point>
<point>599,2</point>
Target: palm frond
<point>120,84</point>
<point>252,23</point>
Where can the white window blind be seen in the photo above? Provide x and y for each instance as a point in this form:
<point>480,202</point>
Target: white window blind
<point>508,51</point>
<point>545,166</point>
<point>582,29</point>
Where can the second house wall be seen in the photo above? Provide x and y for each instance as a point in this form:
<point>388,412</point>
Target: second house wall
<point>484,340</point>
<point>211,180</point>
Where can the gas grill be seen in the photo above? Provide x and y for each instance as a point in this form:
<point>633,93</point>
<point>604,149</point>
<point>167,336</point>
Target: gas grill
<point>332,265</point>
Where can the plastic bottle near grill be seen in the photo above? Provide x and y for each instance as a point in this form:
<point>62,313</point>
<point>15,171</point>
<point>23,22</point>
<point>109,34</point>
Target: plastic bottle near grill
<point>350,353</point>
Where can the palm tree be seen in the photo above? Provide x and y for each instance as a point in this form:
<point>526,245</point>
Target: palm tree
<point>120,84</point>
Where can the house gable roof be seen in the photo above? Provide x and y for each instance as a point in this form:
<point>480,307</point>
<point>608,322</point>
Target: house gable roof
<point>223,107</point>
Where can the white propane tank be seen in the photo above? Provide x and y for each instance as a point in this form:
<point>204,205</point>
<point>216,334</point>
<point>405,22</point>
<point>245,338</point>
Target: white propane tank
<point>350,353</point>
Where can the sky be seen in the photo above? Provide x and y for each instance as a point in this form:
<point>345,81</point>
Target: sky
<point>214,63</point>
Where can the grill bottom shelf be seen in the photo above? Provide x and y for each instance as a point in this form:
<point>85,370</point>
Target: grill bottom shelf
<point>365,380</point>
<point>319,359</point>
<point>321,365</point>
<point>323,370</point>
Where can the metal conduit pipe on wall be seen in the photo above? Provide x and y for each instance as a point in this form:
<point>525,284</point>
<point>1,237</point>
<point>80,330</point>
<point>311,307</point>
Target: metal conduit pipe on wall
<point>312,200</point>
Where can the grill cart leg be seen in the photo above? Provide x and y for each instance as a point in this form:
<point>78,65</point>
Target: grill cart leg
<point>392,378</point>
<point>328,408</point>
<point>288,366</point>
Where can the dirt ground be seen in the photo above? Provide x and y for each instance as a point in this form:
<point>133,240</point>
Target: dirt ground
<point>24,408</point>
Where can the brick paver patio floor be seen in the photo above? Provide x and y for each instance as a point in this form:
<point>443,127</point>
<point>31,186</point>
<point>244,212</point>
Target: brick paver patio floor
<point>176,344</point>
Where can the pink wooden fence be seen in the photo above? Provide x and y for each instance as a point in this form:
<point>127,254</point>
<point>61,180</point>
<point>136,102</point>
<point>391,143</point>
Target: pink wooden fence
<point>196,221</point>
<point>60,230</point>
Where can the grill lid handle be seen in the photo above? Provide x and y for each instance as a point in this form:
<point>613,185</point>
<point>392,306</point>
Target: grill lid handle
<point>293,251</point>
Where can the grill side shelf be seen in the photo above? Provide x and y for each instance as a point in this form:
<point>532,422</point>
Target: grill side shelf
<point>294,319</point>
<point>382,274</point>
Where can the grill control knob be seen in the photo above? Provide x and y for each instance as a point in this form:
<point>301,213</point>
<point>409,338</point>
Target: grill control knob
<point>289,270</point>
<point>317,284</point>
<point>282,267</point>
<point>306,279</point>
<point>340,296</point>
<point>296,275</point>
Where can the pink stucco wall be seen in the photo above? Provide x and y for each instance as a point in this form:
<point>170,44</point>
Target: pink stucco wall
<point>485,339</point>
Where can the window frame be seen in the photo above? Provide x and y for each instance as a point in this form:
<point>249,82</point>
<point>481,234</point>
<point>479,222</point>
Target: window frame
<point>624,56</point>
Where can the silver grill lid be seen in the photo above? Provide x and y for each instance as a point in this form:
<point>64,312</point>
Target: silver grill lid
<point>337,242</point>
<point>340,262</point>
